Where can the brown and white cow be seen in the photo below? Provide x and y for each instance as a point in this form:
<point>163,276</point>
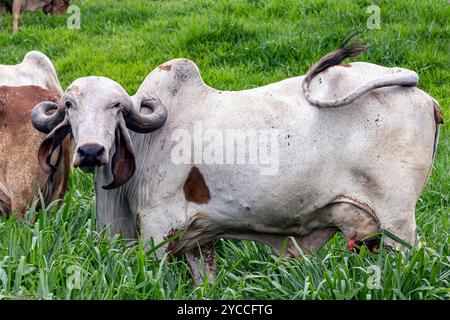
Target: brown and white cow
<point>57,7</point>
<point>21,87</point>
<point>20,173</point>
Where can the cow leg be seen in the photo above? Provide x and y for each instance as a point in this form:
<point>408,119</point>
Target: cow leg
<point>287,245</point>
<point>356,224</point>
<point>202,262</point>
<point>312,241</point>
<point>16,7</point>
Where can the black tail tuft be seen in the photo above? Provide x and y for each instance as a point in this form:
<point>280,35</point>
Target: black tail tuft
<point>351,47</point>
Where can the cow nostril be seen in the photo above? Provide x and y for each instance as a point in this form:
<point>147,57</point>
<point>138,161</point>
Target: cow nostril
<point>91,153</point>
<point>81,152</point>
<point>100,152</point>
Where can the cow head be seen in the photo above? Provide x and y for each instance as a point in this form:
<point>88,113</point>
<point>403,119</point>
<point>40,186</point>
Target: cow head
<point>97,111</point>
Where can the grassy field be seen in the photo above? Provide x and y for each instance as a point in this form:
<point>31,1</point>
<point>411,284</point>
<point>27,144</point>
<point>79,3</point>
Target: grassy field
<point>237,45</point>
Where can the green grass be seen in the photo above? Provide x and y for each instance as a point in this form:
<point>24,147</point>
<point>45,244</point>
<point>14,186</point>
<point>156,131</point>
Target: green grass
<point>237,45</point>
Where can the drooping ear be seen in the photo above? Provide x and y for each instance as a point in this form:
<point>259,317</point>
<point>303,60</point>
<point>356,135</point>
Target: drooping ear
<point>123,163</point>
<point>50,143</point>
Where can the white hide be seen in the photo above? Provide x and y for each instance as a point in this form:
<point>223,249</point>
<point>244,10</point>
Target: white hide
<point>375,153</point>
<point>35,69</point>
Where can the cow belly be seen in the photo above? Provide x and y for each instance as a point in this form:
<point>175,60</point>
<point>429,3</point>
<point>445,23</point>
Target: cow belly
<point>385,171</point>
<point>284,203</point>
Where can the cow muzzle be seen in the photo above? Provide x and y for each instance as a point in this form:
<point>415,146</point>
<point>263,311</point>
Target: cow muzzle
<point>88,156</point>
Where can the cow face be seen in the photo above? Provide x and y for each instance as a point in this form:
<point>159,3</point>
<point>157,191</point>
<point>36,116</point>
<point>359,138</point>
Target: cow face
<point>94,118</point>
<point>97,111</point>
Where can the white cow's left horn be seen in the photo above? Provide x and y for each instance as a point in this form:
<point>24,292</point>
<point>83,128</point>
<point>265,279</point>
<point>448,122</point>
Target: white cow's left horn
<point>145,123</point>
<point>45,122</point>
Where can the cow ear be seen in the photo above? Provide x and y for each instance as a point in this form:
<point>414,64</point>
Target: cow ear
<point>50,143</point>
<point>123,163</point>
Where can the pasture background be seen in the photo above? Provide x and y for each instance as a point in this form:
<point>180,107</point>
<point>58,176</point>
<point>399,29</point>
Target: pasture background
<point>236,45</point>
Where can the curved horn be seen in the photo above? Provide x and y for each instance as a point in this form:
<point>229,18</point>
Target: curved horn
<point>47,122</point>
<point>145,123</point>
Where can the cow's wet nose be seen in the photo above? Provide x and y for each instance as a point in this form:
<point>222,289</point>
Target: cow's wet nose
<point>90,155</point>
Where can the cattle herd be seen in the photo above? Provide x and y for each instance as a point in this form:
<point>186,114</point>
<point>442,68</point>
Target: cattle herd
<point>356,147</point>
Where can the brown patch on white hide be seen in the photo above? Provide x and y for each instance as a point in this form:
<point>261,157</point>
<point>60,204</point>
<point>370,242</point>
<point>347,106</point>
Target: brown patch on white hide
<point>195,188</point>
<point>165,67</point>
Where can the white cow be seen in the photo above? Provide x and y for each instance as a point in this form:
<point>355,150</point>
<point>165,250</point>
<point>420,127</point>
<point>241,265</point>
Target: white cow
<point>35,69</point>
<point>356,169</point>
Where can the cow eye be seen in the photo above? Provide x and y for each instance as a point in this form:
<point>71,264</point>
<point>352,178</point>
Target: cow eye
<point>116,105</point>
<point>68,104</point>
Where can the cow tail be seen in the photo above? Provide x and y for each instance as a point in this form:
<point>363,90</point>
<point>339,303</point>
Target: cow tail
<point>438,119</point>
<point>351,49</point>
